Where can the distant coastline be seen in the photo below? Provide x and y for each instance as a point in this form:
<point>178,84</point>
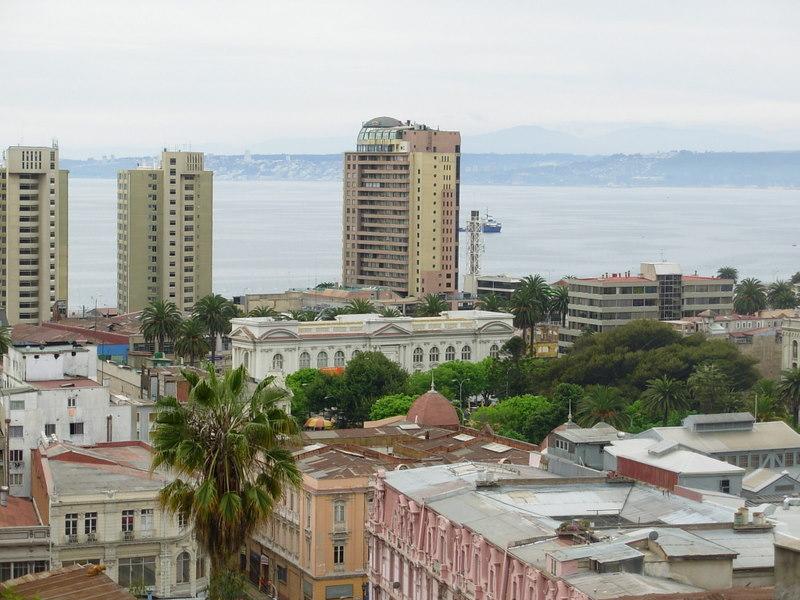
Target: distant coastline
<point>668,169</point>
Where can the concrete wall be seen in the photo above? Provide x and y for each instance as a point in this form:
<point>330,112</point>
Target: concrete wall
<point>767,350</point>
<point>787,571</point>
<point>712,482</point>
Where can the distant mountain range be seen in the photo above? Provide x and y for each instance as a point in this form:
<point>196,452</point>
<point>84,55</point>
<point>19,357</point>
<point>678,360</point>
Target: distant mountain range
<point>682,169</point>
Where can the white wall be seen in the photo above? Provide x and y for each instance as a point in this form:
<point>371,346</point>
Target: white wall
<point>51,363</point>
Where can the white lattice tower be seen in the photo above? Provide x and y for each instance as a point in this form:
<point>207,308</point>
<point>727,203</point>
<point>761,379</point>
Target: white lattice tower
<point>475,233</point>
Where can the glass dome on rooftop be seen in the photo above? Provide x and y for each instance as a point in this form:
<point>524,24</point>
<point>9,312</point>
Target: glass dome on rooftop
<point>382,128</point>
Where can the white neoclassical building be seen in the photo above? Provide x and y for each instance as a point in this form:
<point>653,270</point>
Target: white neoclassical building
<point>268,347</point>
<point>790,352</point>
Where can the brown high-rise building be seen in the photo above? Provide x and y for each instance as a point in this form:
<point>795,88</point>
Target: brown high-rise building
<point>400,213</point>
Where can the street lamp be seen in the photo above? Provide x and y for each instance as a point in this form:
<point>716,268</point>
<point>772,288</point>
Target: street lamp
<point>460,383</point>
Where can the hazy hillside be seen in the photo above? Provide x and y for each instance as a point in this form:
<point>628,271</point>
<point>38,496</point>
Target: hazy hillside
<point>726,169</point>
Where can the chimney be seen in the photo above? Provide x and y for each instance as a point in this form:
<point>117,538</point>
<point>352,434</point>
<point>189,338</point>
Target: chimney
<point>4,495</point>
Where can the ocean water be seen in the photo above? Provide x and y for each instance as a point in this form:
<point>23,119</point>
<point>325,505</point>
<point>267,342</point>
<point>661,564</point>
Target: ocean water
<point>273,235</point>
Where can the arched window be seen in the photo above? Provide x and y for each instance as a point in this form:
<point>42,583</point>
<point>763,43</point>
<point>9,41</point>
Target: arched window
<point>449,353</point>
<point>794,348</point>
<point>277,362</point>
<point>183,569</point>
<point>494,351</point>
<point>338,359</point>
<point>246,359</point>
<point>322,360</point>
<point>305,360</point>
<point>433,355</point>
<point>355,353</point>
<point>418,354</point>
<point>466,353</point>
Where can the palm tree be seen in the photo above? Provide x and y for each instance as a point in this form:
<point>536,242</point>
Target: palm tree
<point>431,306</point>
<point>664,395</point>
<point>5,338</point>
<point>529,305</point>
<point>230,452</point>
<point>264,311</point>
<point>326,285</point>
<point>159,322</point>
<point>389,312</point>
<point>191,341</point>
<point>750,296</point>
<point>602,403</point>
<point>492,302</point>
<point>710,388</point>
<point>789,391</point>
<point>781,295</point>
<point>215,313</point>
<point>559,303</point>
<point>302,315</point>
<point>360,306</point>
<point>728,273</point>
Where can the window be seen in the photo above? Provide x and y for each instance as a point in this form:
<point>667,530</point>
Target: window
<point>90,522</point>
<point>305,360</point>
<point>15,431</point>
<point>338,513</point>
<point>16,456</point>
<point>18,405</point>
<point>127,520</point>
<point>76,428</point>
<point>433,355</point>
<point>322,360</point>
<point>338,359</point>
<point>494,351</point>
<point>281,573</point>
<point>338,554</point>
<point>136,571</point>
<point>308,510</point>
<point>334,592</point>
<point>147,519</point>
<point>788,459</point>
<point>200,568</point>
<point>277,362</point>
<point>418,354</point>
<point>449,354</point>
<point>71,524</point>
<point>72,402</point>
<point>49,429</point>
<point>743,461</point>
<point>183,568</point>
<point>725,486</point>
<point>466,353</point>
<point>15,479</point>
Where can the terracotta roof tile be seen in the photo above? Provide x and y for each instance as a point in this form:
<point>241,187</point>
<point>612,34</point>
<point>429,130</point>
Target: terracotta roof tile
<point>433,409</point>
<point>20,512</point>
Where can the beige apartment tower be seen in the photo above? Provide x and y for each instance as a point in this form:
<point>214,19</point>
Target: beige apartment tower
<point>164,232</point>
<point>33,243</point>
<point>400,213</point>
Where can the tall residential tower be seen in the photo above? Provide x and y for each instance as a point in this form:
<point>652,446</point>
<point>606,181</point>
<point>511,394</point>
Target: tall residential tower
<point>164,232</point>
<point>33,242</point>
<point>400,214</point>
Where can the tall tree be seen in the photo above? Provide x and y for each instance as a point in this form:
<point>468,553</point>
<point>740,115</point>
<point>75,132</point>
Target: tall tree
<point>159,322</point>
<point>602,403</point>
<point>710,388</point>
<point>360,306</point>
<point>230,452</point>
<point>750,296</point>
<point>781,294</point>
<point>789,392</point>
<point>191,340</point>
<point>795,279</point>
<point>559,303</point>
<point>728,273</point>
<point>432,305</point>
<point>5,338</point>
<point>215,313</point>
<point>492,302</point>
<point>530,303</point>
<point>664,395</point>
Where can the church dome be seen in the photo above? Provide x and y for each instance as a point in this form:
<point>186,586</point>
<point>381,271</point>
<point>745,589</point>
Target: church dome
<point>434,410</point>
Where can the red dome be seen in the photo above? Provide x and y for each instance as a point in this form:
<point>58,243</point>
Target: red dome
<point>434,410</point>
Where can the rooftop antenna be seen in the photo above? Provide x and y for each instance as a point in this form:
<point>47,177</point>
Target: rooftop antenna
<point>661,250</point>
<point>569,416</point>
<point>433,388</point>
<point>475,233</point>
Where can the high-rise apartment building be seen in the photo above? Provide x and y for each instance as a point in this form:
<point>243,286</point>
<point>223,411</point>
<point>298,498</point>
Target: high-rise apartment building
<point>164,232</point>
<point>33,242</point>
<point>400,213</point>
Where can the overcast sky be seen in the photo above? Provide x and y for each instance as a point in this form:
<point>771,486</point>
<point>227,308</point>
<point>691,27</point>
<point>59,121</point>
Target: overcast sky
<point>130,77</point>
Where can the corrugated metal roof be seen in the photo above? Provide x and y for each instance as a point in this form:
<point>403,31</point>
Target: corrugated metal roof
<point>773,435</point>
<point>69,583</point>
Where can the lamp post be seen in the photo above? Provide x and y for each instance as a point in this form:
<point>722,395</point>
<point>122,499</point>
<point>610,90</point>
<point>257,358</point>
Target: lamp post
<point>460,383</point>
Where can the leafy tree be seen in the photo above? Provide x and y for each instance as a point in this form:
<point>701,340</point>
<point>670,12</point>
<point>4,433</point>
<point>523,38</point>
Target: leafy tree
<point>296,383</point>
<point>789,392</point>
<point>710,388</point>
<point>764,403</point>
<point>795,278</point>
<point>602,403</point>
<point>368,376</point>
<point>5,339</point>
<point>191,341</point>
<point>390,406</point>
<point>728,273</point>
<point>388,312</point>
<point>431,305</point>
<point>230,451</point>
<point>526,417</point>
<point>264,311</point>
<point>559,303</point>
<point>750,296</point>
<point>781,294</point>
<point>664,395</point>
<point>360,306</point>
<point>530,303</point>
<point>160,321</point>
<point>447,376</point>
<point>215,313</point>
<point>492,302</point>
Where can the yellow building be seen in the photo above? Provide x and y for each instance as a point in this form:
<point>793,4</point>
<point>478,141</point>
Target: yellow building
<point>164,232</point>
<point>314,547</point>
<point>33,243</point>
<point>400,210</point>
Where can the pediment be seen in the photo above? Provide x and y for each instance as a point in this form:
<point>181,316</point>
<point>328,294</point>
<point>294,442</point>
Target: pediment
<point>242,332</point>
<point>279,334</point>
<point>390,330</point>
<point>496,327</point>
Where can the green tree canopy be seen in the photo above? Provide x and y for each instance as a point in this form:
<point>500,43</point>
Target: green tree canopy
<point>390,406</point>
<point>602,403</point>
<point>215,313</point>
<point>664,395</point>
<point>492,302</point>
<point>526,417</point>
<point>432,305</point>
<point>750,296</point>
<point>368,376</point>
<point>710,388</point>
<point>530,304</point>
<point>728,273</point>
<point>789,392</point>
<point>781,294</point>
<point>160,321</point>
<point>191,341</point>
<point>360,306</point>
<point>264,311</point>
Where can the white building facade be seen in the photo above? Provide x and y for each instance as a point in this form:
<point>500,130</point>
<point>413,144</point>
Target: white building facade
<point>277,348</point>
<point>790,351</point>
